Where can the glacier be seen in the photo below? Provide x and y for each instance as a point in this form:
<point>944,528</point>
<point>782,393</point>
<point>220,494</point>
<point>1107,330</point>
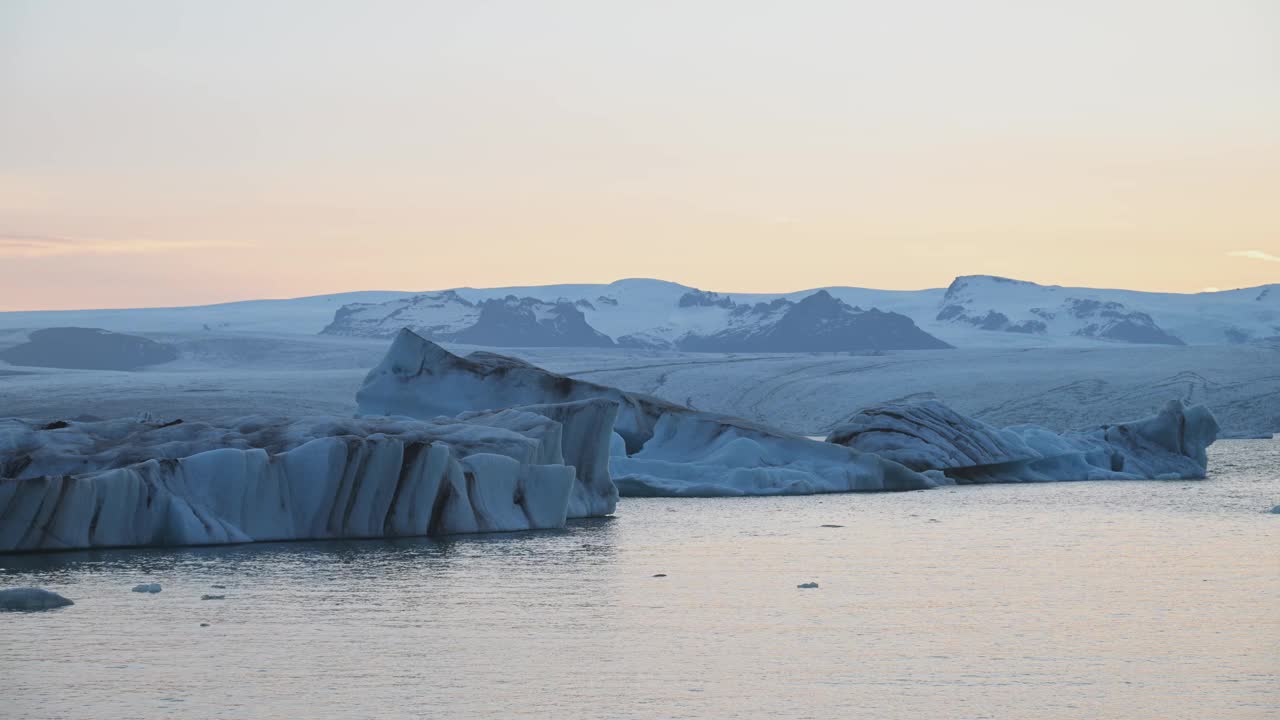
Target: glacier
<point>123,483</point>
<point>929,436</point>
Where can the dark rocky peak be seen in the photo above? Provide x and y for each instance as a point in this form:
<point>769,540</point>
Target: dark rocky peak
<point>702,298</point>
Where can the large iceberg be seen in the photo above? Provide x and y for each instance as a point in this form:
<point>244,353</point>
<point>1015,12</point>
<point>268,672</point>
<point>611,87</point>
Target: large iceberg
<point>704,455</point>
<point>667,449</point>
<point>930,436</point>
<point>131,483</point>
<point>574,433</point>
<point>418,378</point>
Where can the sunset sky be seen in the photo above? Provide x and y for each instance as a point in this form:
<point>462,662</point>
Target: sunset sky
<point>168,152</point>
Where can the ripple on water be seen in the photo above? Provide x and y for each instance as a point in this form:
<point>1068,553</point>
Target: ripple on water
<point>1066,600</point>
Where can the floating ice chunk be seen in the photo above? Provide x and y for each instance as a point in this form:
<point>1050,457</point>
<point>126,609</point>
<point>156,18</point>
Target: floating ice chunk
<point>807,586</point>
<point>701,455</point>
<point>933,438</point>
<point>125,483</point>
<point>147,588</point>
<point>31,599</point>
<point>929,436</point>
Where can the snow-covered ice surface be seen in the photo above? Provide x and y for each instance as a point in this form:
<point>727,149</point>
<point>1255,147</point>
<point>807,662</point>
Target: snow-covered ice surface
<point>222,376</point>
<point>123,483</point>
<point>294,315</point>
<point>1058,601</point>
<point>1058,387</point>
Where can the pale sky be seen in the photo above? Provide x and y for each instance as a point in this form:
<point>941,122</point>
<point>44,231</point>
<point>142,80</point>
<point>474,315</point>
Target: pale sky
<point>166,152</point>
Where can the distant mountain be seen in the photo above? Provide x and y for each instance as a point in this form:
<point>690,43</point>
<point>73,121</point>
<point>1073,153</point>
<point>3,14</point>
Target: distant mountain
<point>528,322</point>
<point>695,321</point>
<point>997,304</point>
<point>428,314</point>
<point>987,302</point>
<point>975,311</point>
<point>87,349</point>
<point>817,323</point>
<point>500,322</point>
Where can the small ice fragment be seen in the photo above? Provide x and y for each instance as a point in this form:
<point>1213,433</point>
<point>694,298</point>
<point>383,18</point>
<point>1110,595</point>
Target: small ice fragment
<point>1275,510</point>
<point>31,599</point>
<point>147,588</point>
<point>807,586</point>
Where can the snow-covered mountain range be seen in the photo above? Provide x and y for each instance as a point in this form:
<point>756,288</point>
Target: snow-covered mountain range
<point>637,314</point>
<point>975,311</point>
<point>1210,318</point>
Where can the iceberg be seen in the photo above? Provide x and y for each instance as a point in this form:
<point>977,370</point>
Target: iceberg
<point>419,379</point>
<point>486,443</point>
<point>664,449</point>
<point>31,599</point>
<point>703,455</point>
<point>122,483</point>
<point>929,436</point>
<point>579,434</point>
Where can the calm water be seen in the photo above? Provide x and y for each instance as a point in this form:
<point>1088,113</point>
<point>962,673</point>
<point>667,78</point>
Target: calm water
<point>1080,600</point>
